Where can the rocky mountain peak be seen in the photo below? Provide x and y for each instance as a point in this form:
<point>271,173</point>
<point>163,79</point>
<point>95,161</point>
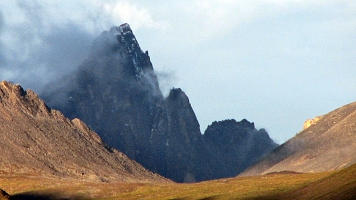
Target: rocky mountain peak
<point>121,43</point>
<point>178,97</point>
<point>180,113</point>
<point>26,101</point>
<point>115,91</point>
<point>231,131</point>
<point>240,143</point>
<point>246,124</point>
<point>116,62</point>
<point>11,89</point>
<point>123,29</point>
<point>243,124</point>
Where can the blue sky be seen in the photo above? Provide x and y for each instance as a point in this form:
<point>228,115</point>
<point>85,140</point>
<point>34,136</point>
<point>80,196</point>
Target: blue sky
<point>273,62</point>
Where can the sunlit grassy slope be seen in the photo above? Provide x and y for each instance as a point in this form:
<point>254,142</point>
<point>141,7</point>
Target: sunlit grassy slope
<point>328,185</point>
<point>339,185</point>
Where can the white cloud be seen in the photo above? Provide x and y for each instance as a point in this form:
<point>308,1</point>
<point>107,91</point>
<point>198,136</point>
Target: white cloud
<point>136,16</point>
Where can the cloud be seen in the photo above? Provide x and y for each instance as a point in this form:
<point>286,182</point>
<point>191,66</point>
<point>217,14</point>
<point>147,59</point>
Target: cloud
<point>1,22</point>
<point>128,12</point>
<point>42,42</point>
<point>2,57</point>
<point>35,52</point>
<point>167,80</point>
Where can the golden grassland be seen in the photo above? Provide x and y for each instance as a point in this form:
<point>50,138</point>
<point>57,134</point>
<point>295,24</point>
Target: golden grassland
<point>328,185</point>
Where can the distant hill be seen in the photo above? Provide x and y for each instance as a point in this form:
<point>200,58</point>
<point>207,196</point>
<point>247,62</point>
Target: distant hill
<point>37,140</point>
<point>116,92</point>
<point>327,143</point>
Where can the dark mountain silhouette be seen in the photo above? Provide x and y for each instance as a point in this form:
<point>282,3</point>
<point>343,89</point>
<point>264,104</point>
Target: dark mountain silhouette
<point>40,141</point>
<point>239,144</point>
<point>327,143</point>
<point>116,92</point>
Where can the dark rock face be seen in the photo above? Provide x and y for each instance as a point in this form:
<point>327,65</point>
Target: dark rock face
<point>239,144</point>
<point>177,145</point>
<point>116,92</point>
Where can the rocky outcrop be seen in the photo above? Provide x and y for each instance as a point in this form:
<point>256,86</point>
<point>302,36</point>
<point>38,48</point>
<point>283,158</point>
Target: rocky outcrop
<point>310,122</point>
<point>38,140</point>
<point>116,92</point>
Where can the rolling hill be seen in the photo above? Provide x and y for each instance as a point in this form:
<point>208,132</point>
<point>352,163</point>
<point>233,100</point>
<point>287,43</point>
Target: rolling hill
<point>328,143</point>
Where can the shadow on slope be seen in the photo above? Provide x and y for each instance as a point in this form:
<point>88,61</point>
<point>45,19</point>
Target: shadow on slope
<point>44,196</point>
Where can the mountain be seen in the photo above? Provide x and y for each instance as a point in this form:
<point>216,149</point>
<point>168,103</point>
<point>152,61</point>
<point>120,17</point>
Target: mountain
<point>327,143</point>
<point>38,140</point>
<point>116,92</point>
<point>239,144</point>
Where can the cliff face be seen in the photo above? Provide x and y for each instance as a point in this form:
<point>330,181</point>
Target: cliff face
<point>239,144</point>
<point>116,92</point>
<point>189,159</point>
<point>38,140</point>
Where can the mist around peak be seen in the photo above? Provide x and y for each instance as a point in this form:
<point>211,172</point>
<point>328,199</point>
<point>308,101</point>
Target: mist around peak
<point>114,58</point>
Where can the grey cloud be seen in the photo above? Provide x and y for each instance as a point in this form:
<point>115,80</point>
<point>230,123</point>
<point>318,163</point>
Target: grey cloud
<point>62,51</point>
<point>1,22</point>
<point>32,10</point>
<point>43,53</point>
<point>66,48</point>
<point>167,80</point>
<point>2,57</point>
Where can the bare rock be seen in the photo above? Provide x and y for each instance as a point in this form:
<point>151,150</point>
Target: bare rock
<point>310,122</point>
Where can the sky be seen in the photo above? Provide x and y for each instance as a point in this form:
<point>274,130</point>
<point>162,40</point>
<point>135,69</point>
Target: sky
<point>273,62</point>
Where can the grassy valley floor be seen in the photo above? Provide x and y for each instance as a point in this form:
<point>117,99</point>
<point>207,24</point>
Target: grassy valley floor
<point>273,186</point>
